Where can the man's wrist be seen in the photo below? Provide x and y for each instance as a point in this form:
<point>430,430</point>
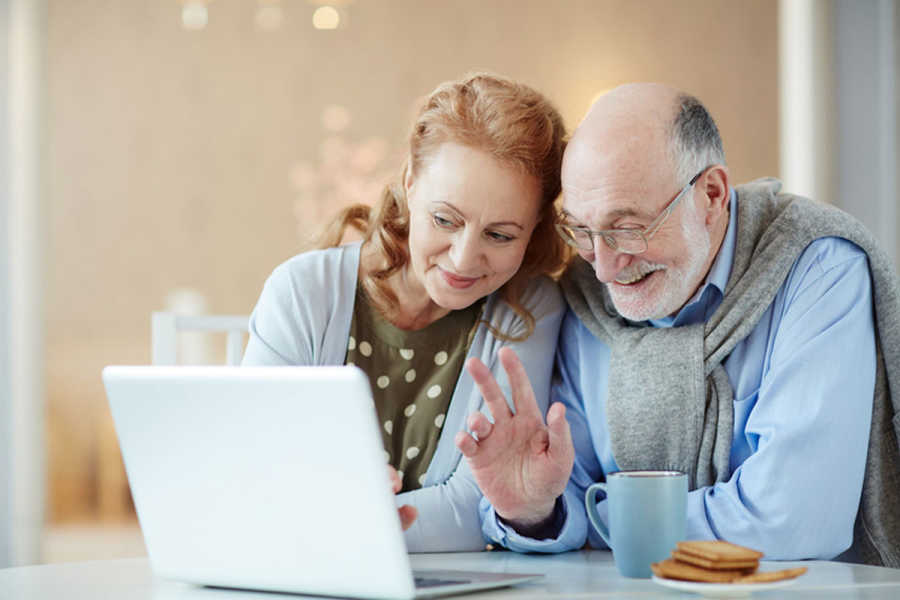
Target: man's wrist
<point>541,524</point>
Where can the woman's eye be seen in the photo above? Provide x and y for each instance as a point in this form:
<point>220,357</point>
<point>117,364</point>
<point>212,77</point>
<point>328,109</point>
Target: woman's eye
<point>499,237</point>
<point>442,222</point>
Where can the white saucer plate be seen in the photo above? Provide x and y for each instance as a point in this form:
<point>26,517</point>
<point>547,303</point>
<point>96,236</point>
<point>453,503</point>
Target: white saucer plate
<point>722,590</point>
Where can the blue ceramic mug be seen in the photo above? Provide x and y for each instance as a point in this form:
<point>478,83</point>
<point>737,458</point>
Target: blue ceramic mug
<point>647,516</point>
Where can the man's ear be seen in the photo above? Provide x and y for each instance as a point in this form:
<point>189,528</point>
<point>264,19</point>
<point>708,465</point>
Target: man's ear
<point>715,188</point>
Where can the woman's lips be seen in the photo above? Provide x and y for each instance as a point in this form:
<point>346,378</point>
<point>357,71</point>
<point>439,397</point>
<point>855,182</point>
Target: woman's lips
<point>456,281</point>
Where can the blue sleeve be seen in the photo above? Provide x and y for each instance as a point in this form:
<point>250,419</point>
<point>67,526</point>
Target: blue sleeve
<point>586,469</point>
<point>449,518</point>
<point>796,494</point>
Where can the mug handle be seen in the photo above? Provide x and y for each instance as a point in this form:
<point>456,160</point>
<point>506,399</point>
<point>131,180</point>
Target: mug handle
<point>590,504</point>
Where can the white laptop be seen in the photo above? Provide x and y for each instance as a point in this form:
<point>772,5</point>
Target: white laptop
<point>268,478</point>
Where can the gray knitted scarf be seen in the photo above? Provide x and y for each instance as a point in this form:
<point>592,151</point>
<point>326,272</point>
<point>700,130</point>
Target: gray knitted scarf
<point>670,403</point>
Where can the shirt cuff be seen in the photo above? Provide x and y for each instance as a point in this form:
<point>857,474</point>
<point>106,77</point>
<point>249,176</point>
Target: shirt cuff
<point>560,532</point>
<point>549,529</point>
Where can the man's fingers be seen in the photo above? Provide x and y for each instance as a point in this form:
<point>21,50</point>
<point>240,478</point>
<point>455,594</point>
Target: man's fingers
<point>466,444</point>
<point>561,449</point>
<point>479,425</point>
<point>490,391</point>
<point>539,441</point>
<point>408,515</point>
<point>522,392</point>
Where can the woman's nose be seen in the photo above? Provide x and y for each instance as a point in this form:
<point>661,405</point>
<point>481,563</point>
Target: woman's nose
<point>465,252</point>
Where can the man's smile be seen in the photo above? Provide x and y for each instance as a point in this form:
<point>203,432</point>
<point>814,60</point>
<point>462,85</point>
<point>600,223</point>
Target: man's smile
<point>636,273</point>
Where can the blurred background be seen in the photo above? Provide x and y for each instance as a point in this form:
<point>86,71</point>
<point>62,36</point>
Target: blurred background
<point>166,155</point>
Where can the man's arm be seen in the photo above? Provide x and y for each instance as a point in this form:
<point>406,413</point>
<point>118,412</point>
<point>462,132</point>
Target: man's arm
<point>520,463</point>
<point>449,516</point>
<point>796,494</point>
<point>569,528</point>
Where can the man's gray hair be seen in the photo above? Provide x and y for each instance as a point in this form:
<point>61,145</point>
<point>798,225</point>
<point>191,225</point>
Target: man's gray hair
<point>694,141</point>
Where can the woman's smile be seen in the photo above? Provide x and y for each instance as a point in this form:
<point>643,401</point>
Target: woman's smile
<point>457,281</point>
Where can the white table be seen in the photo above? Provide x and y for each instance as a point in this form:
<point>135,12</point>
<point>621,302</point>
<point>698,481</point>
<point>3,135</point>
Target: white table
<point>586,574</point>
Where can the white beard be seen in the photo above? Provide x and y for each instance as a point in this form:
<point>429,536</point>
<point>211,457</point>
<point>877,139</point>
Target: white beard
<point>671,287</point>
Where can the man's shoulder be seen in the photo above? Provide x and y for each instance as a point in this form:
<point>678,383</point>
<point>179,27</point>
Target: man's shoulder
<point>573,329</point>
<point>780,211</point>
<point>826,256</point>
<point>831,251</point>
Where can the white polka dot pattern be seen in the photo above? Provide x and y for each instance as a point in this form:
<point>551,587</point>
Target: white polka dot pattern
<point>422,479</point>
<point>412,452</point>
<point>439,420</point>
<point>389,427</point>
<point>440,358</point>
<point>409,410</point>
<point>407,353</point>
<point>410,376</point>
<point>365,348</point>
<point>434,391</point>
<point>351,344</point>
<point>383,381</point>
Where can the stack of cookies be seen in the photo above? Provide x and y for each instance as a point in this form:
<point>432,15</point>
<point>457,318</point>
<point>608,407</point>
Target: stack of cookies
<point>718,562</point>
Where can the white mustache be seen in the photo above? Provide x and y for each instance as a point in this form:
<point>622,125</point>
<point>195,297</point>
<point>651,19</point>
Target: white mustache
<point>637,272</point>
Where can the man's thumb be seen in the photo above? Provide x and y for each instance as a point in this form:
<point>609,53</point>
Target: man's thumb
<point>561,448</point>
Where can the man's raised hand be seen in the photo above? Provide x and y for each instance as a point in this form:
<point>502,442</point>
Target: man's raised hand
<point>520,463</point>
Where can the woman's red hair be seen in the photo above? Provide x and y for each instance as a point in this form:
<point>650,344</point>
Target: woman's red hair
<point>508,120</point>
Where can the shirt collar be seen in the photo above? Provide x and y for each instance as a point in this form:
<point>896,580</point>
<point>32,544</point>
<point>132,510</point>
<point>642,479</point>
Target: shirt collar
<point>708,298</point>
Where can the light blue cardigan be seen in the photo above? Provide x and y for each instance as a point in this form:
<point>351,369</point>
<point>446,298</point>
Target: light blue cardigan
<point>303,318</point>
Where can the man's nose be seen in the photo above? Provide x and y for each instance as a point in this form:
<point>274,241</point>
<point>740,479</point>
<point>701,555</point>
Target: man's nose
<point>607,262</point>
<point>466,252</point>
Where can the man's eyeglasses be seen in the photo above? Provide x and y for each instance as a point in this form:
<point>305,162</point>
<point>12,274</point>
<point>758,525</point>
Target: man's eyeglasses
<point>628,241</point>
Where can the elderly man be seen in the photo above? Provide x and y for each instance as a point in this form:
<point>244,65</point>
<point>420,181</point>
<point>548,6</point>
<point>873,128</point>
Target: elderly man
<point>744,336</point>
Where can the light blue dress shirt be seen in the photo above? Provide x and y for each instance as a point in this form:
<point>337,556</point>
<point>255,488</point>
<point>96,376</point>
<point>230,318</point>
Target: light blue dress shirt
<point>803,384</point>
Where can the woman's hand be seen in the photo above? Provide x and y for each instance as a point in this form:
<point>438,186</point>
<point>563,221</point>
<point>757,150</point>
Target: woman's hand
<point>407,513</point>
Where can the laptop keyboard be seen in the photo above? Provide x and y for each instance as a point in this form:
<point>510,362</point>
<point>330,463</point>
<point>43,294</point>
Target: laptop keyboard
<point>428,582</point>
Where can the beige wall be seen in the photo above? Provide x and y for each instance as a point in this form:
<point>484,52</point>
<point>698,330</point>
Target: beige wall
<point>174,158</point>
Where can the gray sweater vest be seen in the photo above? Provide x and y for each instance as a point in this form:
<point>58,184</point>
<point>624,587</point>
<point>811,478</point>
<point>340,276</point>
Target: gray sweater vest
<point>670,403</point>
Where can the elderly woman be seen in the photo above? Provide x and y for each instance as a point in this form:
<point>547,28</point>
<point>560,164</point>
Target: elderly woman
<point>454,263</point>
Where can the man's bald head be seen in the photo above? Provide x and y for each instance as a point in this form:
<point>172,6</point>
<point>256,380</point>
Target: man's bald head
<point>650,132</point>
<point>634,115</point>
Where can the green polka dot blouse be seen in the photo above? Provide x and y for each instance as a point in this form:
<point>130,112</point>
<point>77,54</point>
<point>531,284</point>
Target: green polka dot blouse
<point>413,375</point>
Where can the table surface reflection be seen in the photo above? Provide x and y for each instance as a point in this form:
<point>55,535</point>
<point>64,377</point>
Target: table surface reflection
<point>585,574</point>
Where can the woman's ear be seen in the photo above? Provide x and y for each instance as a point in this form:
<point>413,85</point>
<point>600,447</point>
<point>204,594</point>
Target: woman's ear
<point>407,178</point>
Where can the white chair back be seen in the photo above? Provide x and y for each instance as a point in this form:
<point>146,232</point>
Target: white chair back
<point>165,327</point>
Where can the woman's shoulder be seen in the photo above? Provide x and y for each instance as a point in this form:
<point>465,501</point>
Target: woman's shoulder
<point>541,297</point>
<point>542,290</point>
<point>321,264</point>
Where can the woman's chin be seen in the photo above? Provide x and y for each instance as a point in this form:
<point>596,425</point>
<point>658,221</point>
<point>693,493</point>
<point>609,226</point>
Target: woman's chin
<point>455,299</point>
